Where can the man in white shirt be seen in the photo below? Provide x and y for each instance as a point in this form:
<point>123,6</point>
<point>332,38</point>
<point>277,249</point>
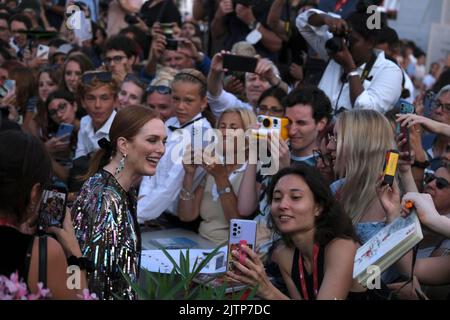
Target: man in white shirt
<point>98,92</point>
<point>159,193</point>
<point>357,76</point>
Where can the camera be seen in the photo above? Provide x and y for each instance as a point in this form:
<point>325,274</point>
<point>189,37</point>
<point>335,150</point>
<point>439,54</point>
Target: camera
<point>334,45</point>
<point>270,125</point>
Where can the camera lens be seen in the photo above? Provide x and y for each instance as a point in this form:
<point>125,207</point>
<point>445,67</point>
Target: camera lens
<point>234,224</point>
<point>275,121</point>
<point>266,122</point>
<point>234,234</point>
<point>234,229</point>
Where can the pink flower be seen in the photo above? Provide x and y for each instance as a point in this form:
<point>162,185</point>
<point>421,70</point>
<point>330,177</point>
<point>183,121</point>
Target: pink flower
<point>13,289</point>
<point>87,295</point>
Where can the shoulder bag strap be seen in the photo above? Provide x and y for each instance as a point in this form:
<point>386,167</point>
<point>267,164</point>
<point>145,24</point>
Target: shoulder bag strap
<point>43,261</point>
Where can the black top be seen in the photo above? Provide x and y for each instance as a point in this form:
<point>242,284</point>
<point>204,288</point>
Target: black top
<point>14,247</point>
<point>377,294</point>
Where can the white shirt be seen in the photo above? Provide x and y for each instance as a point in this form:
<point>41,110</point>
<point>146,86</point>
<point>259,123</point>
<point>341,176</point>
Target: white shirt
<point>224,101</point>
<point>410,86</point>
<point>380,94</point>
<point>88,138</point>
<point>160,192</point>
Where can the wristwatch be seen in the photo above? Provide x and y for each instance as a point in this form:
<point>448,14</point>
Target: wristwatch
<point>224,191</point>
<point>353,73</point>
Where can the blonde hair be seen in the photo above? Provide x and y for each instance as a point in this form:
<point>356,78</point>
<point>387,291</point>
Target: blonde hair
<point>164,77</point>
<point>363,137</point>
<point>248,116</point>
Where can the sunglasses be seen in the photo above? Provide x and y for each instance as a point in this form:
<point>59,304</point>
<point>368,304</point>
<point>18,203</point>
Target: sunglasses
<point>61,108</point>
<point>103,76</point>
<point>441,183</point>
<point>325,158</point>
<point>160,89</point>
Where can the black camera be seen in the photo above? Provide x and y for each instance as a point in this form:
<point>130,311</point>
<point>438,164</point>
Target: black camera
<point>335,44</point>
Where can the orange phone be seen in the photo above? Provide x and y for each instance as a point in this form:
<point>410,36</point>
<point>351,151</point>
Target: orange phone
<point>390,167</point>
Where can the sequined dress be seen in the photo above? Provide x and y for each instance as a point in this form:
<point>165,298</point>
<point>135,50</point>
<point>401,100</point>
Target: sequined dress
<point>105,224</point>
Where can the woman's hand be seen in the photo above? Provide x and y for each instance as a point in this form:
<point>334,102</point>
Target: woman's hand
<point>410,120</point>
<point>235,86</point>
<point>57,144</point>
<point>66,236</point>
<point>280,150</point>
<point>426,211</point>
<point>389,199</point>
<point>217,62</point>
<point>214,166</point>
<point>406,158</point>
<point>251,271</point>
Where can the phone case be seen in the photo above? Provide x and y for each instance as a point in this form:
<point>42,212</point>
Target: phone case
<point>42,51</point>
<point>239,63</point>
<point>65,129</point>
<point>241,232</point>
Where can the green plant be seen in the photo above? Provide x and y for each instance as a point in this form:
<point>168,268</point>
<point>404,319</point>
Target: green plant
<point>180,285</point>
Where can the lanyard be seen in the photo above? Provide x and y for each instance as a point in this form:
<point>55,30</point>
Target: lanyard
<point>314,270</point>
<point>4,222</point>
<point>340,4</point>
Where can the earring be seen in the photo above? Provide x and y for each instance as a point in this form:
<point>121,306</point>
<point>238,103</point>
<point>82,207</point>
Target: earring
<point>121,165</point>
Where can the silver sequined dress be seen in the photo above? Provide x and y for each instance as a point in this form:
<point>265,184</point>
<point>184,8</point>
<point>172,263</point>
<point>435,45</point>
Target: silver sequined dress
<point>106,226</point>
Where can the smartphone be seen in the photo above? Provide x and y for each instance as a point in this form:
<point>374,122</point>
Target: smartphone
<point>405,108</point>
<point>42,51</point>
<point>10,85</point>
<point>390,167</point>
<point>428,100</point>
<point>242,232</point>
<point>239,63</point>
<point>65,129</point>
<point>52,209</point>
<point>3,92</point>
<point>171,44</point>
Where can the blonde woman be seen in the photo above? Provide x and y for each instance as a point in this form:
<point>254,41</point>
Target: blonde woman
<point>215,199</point>
<point>358,147</point>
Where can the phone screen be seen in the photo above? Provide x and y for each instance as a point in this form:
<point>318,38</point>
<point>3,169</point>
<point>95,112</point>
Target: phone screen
<point>239,63</point>
<point>52,209</point>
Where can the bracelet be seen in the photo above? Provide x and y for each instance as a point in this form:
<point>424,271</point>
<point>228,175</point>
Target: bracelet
<point>186,195</point>
<point>82,262</point>
<point>353,73</point>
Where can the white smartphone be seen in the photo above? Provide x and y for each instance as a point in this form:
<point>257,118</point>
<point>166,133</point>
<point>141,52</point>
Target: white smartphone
<point>10,85</point>
<point>241,232</point>
<point>42,51</point>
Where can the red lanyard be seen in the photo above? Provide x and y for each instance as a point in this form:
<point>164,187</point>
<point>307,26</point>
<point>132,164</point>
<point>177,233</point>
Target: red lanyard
<point>314,270</point>
<point>340,4</point>
<point>5,223</point>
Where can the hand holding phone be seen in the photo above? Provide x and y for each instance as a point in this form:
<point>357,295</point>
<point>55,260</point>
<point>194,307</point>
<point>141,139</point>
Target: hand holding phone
<point>233,62</point>
<point>242,232</point>
<point>52,209</point>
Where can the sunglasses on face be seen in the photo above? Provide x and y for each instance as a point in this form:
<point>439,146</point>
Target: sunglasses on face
<point>103,76</point>
<point>441,183</point>
<point>325,158</point>
<point>61,108</point>
<point>267,110</point>
<point>159,89</point>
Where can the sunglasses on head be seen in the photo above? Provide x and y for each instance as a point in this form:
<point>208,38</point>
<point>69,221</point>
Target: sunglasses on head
<point>160,89</point>
<point>103,76</point>
<point>441,183</point>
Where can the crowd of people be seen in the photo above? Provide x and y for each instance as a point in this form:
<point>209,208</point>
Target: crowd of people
<point>109,111</point>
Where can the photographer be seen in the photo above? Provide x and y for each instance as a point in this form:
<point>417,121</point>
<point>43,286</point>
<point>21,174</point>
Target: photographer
<point>357,76</point>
